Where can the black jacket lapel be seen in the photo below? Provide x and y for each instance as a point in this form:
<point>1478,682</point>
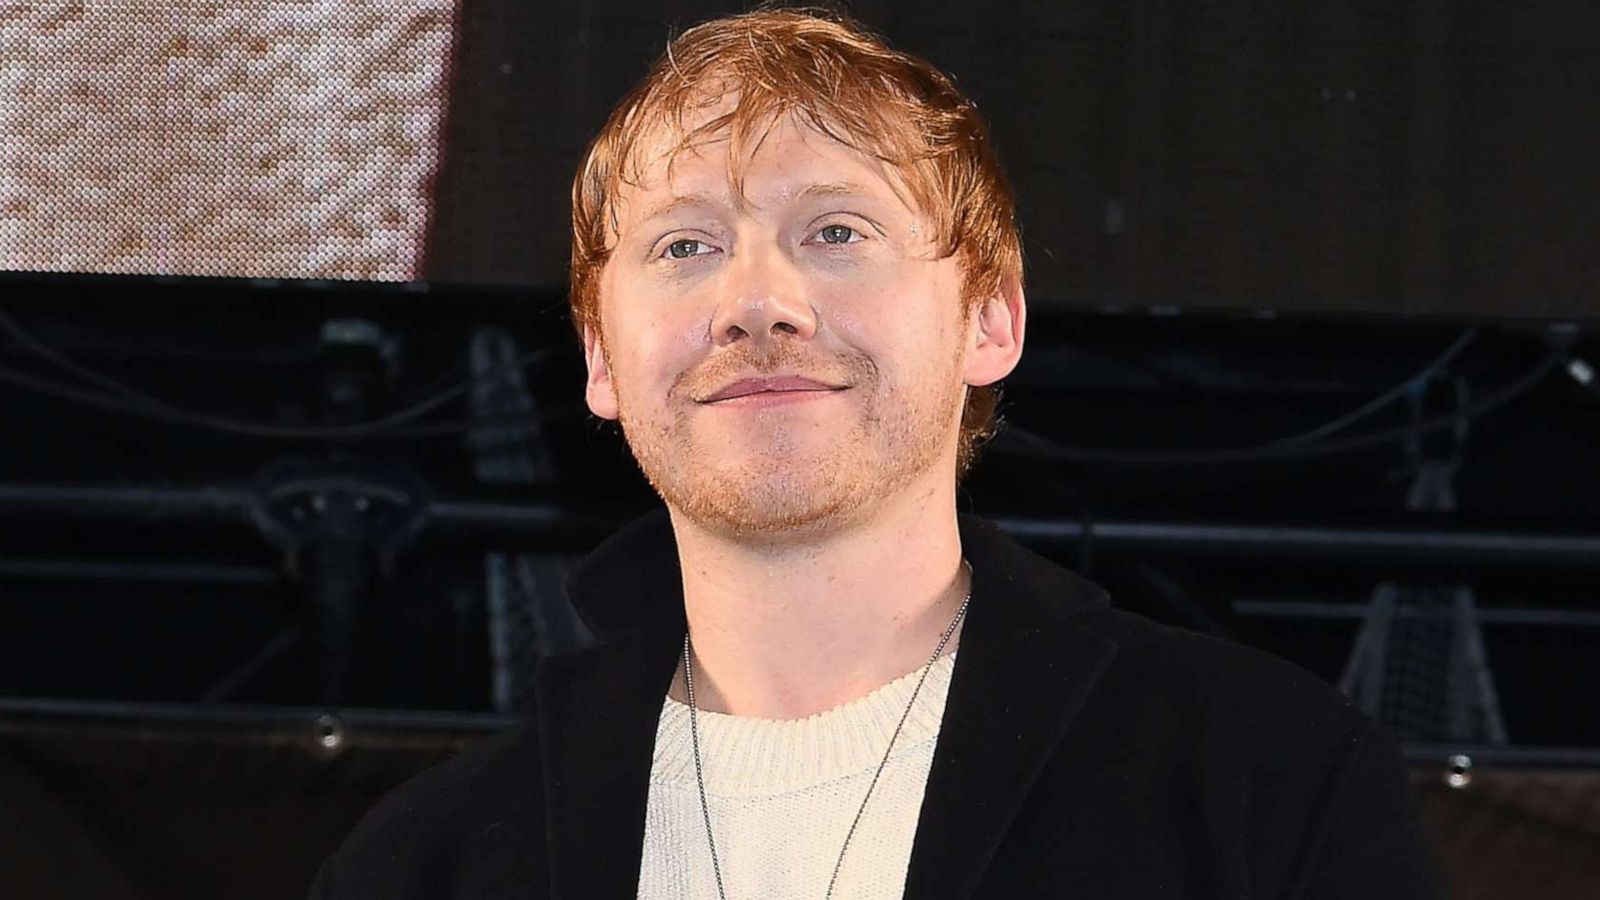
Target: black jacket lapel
<point>598,711</point>
<point>1022,672</point>
<point>597,721</point>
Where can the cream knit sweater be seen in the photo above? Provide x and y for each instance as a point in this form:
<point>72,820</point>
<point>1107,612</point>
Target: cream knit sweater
<point>782,794</point>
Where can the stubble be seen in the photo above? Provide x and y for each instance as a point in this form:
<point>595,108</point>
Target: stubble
<point>891,435</point>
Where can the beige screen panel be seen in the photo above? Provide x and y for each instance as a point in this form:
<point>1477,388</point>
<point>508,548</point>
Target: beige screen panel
<point>192,137</point>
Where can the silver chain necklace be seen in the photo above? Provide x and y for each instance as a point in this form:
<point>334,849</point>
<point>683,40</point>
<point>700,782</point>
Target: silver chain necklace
<point>699,773</point>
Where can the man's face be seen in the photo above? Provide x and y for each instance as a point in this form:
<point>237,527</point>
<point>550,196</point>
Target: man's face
<point>785,360</point>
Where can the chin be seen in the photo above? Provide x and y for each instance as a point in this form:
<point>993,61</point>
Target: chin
<point>789,526</point>
<point>770,504</point>
<point>785,487</point>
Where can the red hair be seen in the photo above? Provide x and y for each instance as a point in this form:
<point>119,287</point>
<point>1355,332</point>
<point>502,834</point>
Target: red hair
<point>834,76</point>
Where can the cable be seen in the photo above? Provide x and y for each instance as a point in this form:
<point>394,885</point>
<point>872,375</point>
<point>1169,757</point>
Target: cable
<point>153,408</point>
<point>62,361</point>
<point>1384,399</point>
<point>503,420</point>
<point>1040,447</point>
<point>385,427</point>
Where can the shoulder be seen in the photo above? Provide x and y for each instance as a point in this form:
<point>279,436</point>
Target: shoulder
<point>1219,683</point>
<point>1286,770</point>
<point>460,819</point>
<point>1172,687</point>
<point>1221,678</point>
<point>1292,786</point>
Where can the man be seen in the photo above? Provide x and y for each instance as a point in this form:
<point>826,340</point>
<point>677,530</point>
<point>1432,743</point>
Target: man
<point>796,275</point>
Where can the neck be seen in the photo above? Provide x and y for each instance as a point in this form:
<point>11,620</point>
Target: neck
<point>787,628</point>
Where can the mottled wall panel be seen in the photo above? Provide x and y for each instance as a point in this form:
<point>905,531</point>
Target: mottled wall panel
<point>195,137</point>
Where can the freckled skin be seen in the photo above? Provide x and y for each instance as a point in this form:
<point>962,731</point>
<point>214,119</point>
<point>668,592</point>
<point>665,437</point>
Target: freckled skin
<point>820,272</point>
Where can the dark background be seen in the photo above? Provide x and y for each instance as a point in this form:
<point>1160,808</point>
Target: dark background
<point>1429,157</point>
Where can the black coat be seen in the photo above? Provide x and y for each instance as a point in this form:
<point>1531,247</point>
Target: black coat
<point>1085,753</point>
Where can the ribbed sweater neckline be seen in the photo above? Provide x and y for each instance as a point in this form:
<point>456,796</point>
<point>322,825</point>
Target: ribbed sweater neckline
<point>745,756</point>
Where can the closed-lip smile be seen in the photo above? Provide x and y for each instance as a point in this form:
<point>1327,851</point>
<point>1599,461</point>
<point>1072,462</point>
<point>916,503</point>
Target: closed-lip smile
<point>776,384</point>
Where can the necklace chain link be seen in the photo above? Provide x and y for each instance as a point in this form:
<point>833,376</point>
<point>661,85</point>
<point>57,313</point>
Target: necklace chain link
<point>699,773</point>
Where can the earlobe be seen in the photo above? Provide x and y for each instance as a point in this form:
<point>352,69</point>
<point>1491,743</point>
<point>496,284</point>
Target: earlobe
<point>998,326</point>
<point>599,390</point>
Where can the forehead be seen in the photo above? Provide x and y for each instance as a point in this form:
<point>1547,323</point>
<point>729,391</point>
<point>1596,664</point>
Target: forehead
<point>779,160</point>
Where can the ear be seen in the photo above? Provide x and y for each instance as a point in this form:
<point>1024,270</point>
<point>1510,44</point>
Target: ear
<point>599,391</point>
<point>996,332</point>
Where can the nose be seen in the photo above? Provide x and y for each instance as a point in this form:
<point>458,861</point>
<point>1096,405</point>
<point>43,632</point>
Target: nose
<point>762,296</point>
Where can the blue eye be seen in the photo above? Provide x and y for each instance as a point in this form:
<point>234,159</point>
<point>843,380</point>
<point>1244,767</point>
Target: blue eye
<point>836,234</point>
<point>684,249</point>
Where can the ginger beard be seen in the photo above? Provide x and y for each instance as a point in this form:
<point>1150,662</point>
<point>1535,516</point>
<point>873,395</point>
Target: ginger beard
<point>781,479</point>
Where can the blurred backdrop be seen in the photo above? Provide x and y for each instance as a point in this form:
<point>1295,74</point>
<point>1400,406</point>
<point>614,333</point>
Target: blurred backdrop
<point>295,460</point>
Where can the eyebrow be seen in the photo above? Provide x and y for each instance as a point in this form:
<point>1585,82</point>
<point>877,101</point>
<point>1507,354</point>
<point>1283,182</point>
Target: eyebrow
<point>833,189</point>
<point>673,204</point>
<point>821,189</point>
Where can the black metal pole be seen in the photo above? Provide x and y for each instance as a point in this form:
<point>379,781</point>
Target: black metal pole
<point>518,523</point>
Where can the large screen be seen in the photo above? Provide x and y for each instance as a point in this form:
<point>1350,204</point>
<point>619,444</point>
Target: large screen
<point>199,137</point>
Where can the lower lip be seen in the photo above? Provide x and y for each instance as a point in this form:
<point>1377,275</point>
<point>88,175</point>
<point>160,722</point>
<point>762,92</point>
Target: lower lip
<point>765,399</point>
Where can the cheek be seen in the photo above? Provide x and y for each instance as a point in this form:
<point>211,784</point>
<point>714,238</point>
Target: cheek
<point>907,325</point>
<point>648,327</point>
<point>865,306</point>
<point>650,353</point>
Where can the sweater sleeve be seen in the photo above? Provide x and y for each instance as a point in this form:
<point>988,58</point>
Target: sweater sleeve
<point>1370,843</point>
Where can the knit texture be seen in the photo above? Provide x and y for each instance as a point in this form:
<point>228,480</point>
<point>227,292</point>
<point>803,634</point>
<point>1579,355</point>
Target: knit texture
<point>782,795</point>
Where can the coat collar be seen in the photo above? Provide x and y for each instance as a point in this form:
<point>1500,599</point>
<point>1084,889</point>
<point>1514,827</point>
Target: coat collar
<point>1025,668</point>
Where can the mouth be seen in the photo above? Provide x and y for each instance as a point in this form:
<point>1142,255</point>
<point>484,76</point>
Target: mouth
<point>776,388</point>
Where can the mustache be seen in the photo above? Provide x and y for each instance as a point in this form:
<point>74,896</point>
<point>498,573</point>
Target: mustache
<point>744,361</point>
